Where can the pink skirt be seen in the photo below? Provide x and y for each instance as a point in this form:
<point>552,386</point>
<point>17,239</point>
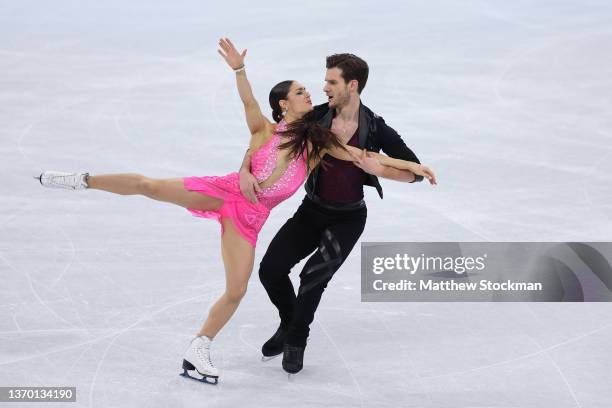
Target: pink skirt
<point>248,218</point>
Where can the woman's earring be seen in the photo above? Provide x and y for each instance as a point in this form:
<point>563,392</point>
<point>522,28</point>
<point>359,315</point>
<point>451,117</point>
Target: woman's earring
<point>284,112</point>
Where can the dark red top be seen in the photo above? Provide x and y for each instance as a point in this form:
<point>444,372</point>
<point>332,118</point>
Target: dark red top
<point>342,181</point>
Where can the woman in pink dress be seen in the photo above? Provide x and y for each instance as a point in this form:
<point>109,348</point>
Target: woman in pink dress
<point>282,154</point>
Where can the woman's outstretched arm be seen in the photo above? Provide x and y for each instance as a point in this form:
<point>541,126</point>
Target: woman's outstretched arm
<point>358,157</point>
<point>256,121</point>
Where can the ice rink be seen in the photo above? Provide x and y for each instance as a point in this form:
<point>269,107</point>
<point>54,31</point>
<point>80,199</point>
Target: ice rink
<point>509,102</point>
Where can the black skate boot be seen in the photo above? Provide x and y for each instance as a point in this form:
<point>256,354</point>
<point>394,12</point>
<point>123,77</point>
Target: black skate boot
<point>274,346</point>
<point>293,358</point>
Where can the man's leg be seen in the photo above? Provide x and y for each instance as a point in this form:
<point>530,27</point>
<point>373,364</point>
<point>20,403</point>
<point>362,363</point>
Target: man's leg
<point>335,244</point>
<point>292,243</point>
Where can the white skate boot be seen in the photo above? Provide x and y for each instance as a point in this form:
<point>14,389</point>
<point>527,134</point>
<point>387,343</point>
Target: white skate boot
<point>58,179</point>
<point>197,362</point>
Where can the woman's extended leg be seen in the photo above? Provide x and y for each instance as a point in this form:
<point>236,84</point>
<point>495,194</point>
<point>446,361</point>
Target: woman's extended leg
<point>167,190</point>
<point>238,258</point>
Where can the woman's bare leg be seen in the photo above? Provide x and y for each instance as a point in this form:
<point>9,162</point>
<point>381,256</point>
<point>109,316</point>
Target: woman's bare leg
<point>238,258</point>
<point>167,190</point>
<point>238,254</point>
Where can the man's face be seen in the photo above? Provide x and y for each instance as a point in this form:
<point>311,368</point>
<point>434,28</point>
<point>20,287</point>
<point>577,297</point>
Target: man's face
<point>335,88</point>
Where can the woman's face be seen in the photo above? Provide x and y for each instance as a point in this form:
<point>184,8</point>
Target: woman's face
<point>298,100</point>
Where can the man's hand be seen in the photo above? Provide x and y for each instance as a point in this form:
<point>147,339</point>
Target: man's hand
<point>368,163</point>
<point>249,185</point>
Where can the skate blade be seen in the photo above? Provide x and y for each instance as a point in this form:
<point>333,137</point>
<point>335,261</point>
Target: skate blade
<point>291,375</point>
<point>268,358</point>
<point>204,379</point>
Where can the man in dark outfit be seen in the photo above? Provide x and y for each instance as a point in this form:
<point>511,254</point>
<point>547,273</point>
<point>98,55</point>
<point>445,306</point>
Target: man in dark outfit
<point>332,216</point>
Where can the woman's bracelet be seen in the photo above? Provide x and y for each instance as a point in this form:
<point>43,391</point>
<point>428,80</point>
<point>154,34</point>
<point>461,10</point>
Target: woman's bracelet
<point>239,69</point>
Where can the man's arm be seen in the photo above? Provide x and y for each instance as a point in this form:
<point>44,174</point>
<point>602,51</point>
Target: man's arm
<point>248,183</point>
<point>393,145</point>
<point>366,160</point>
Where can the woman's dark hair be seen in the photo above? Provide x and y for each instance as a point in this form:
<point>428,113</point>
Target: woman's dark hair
<point>278,92</point>
<point>301,131</point>
<point>305,130</point>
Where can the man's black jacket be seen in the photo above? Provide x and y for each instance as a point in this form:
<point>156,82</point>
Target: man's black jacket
<point>374,135</point>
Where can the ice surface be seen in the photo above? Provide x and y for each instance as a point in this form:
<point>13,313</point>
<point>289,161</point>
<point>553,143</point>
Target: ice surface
<point>510,103</point>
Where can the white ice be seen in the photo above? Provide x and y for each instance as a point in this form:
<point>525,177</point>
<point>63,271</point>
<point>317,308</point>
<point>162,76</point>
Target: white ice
<point>510,103</point>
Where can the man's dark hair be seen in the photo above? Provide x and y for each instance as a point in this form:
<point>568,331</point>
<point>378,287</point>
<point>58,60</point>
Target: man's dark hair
<point>352,67</point>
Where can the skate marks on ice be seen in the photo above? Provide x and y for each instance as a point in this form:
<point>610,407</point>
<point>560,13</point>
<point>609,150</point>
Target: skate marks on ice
<point>121,332</point>
<point>316,379</point>
<point>32,283</point>
<point>526,362</point>
<point>346,365</point>
<point>325,373</point>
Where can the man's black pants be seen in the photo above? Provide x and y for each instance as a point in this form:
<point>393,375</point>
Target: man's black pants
<point>333,233</point>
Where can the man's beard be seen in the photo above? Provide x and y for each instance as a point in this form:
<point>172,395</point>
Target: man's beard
<point>340,100</point>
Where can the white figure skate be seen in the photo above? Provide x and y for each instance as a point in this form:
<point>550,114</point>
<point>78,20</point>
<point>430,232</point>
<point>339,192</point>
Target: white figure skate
<point>68,181</point>
<point>197,364</point>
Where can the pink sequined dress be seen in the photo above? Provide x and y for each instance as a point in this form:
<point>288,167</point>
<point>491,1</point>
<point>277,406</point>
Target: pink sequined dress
<point>247,217</point>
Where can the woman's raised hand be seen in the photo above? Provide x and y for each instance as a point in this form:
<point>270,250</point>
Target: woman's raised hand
<point>230,54</point>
